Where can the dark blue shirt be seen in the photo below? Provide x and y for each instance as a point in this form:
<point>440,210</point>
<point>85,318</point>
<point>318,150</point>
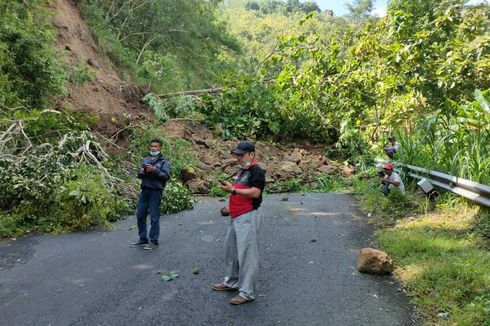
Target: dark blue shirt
<point>158,179</point>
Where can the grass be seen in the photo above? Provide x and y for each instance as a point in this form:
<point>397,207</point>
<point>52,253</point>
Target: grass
<point>441,252</point>
<point>322,183</point>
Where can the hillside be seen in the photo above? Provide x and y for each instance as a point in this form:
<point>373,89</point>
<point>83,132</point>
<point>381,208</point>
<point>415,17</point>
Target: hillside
<point>117,104</point>
<point>114,101</point>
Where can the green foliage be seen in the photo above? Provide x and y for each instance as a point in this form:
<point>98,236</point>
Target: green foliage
<point>245,110</point>
<point>80,73</point>
<point>290,185</point>
<point>83,200</point>
<point>52,174</point>
<point>29,67</point>
<point>455,139</point>
<point>168,44</point>
<point>176,198</point>
<point>175,107</point>
<point>329,183</point>
<point>216,191</point>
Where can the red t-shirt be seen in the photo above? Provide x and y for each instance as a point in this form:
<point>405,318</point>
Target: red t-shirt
<point>251,176</point>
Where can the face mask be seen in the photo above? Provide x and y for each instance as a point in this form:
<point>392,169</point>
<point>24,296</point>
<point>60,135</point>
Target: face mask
<point>244,165</point>
<point>154,153</point>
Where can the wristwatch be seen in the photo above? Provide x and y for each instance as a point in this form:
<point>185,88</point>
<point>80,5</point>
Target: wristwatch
<point>233,191</point>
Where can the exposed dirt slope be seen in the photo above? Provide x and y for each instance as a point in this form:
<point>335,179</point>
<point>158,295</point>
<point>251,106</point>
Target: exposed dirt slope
<point>115,101</point>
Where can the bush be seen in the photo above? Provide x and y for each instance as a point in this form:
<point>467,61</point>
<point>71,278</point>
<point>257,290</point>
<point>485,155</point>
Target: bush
<point>76,199</point>
<point>80,73</point>
<point>175,107</point>
<point>176,198</point>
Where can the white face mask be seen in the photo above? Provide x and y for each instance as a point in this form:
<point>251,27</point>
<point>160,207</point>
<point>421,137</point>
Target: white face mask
<point>154,153</point>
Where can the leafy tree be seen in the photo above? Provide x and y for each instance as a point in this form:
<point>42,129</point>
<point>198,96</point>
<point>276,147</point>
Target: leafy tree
<point>29,69</point>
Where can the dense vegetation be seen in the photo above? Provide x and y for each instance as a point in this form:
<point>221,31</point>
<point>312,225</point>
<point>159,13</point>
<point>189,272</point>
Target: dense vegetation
<point>168,44</point>
<point>55,175</point>
<point>288,71</point>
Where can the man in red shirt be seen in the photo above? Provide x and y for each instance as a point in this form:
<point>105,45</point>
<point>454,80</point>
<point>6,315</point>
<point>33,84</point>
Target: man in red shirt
<point>241,245</point>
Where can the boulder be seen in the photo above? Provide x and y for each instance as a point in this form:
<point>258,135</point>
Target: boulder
<point>231,170</point>
<point>327,169</point>
<point>347,170</point>
<point>92,63</point>
<point>310,164</point>
<point>205,167</point>
<point>198,186</point>
<point>290,168</point>
<point>205,159</point>
<point>293,157</point>
<point>374,261</point>
<point>188,173</point>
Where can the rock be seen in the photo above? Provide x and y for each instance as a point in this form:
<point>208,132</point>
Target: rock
<point>224,211</point>
<point>230,170</point>
<point>374,261</point>
<point>67,48</point>
<point>290,167</point>
<point>92,63</point>
<point>348,170</point>
<point>205,167</point>
<point>198,186</point>
<point>188,174</point>
<point>285,199</point>
<point>205,159</point>
<point>202,143</point>
<point>309,164</point>
<point>229,162</point>
<point>312,240</point>
<point>327,169</point>
<point>195,270</point>
<point>293,157</point>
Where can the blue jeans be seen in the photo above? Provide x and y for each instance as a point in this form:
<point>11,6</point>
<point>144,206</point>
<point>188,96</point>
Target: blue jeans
<point>149,201</point>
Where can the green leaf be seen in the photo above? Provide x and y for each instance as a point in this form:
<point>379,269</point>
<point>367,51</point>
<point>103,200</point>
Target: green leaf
<point>170,276</point>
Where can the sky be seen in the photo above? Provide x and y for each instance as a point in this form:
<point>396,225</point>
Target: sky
<point>339,9</point>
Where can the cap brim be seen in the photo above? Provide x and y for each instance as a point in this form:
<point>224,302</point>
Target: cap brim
<point>238,151</point>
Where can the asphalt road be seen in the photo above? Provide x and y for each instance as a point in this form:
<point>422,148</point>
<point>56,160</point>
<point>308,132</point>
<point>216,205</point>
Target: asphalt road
<point>95,278</point>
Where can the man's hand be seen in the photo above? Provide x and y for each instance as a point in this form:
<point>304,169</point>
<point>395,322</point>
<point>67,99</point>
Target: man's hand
<point>226,186</point>
<point>150,168</point>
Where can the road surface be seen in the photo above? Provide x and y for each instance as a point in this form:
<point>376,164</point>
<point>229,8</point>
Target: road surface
<point>307,275</point>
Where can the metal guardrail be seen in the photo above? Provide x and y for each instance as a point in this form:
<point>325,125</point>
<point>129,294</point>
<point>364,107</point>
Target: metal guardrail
<point>473,191</point>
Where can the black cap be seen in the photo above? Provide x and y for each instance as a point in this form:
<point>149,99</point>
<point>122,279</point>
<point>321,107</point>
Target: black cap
<point>243,147</point>
<point>391,138</point>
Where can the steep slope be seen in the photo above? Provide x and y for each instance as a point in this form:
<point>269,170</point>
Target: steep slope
<point>113,100</point>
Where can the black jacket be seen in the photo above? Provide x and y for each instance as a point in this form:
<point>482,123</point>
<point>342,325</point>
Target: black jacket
<point>154,180</point>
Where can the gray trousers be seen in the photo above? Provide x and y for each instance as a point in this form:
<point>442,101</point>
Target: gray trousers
<point>242,253</point>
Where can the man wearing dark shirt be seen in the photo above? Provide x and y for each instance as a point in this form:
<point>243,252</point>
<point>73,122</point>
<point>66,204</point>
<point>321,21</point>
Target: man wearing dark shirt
<point>154,173</point>
<point>241,245</point>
